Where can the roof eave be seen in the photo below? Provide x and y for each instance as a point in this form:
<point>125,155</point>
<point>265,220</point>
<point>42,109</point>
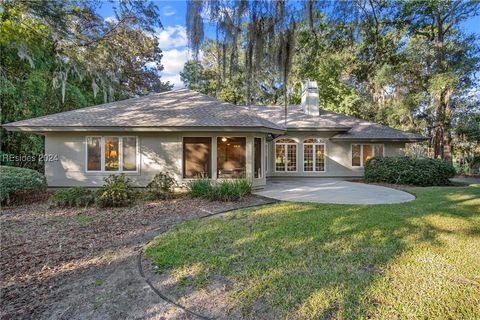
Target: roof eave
<point>379,139</point>
<point>336,129</point>
<point>43,129</point>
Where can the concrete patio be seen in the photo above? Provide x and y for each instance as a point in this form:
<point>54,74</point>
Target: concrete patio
<point>323,190</point>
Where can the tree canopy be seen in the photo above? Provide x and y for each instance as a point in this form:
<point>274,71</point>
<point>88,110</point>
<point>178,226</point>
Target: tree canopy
<point>407,64</point>
<point>61,55</point>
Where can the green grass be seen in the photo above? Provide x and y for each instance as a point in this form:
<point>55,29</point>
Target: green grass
<point>414,260</point>
<point>83,220</point>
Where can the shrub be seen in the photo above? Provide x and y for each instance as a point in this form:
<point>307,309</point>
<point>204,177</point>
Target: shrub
<point>200,187</point>
<point>72,197</point>
<point>15,181</point>
<point>405,170</point>
<point>116,192</point>
<point>230,190</point>
<point>161,187</point>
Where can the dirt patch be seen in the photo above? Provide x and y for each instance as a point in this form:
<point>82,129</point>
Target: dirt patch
<point>81,263</point>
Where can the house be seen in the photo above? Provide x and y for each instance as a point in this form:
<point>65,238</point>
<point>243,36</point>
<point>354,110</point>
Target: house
<point>187,133</point>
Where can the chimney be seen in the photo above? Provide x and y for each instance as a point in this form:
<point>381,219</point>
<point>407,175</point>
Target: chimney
<point>310,100</point>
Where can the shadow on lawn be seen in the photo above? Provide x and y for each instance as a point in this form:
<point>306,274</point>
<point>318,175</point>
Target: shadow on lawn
<point>310,260</point>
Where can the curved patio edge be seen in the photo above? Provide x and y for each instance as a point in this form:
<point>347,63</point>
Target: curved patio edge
<point>333,191</point>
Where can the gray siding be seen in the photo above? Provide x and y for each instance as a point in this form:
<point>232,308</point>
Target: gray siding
<point>337,156</point>
<point>158,152</point>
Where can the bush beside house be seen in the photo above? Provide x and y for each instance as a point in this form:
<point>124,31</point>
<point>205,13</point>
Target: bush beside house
<point>116,192</point>
<point>17,182</point>
<point>161,187</point>
<point>410,171</point>
<point>72,197</point>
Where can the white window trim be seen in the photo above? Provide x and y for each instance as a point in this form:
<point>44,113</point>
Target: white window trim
<point>262,158</point>
<point>120,156</point>
<point>315,156</point>
<point>361,152</point>
<point>286,144</point>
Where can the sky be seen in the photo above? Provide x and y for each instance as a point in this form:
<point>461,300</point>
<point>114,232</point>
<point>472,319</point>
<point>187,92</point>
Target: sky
<point>173,36</point>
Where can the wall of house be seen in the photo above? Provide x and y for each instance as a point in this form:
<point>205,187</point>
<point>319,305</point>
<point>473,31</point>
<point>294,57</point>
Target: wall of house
<point>337,156</point>
<point>158,151</point>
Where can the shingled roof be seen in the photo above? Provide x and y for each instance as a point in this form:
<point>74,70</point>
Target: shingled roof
<point>168,110</point>
<point>348,128</point>
<point>186,109</point>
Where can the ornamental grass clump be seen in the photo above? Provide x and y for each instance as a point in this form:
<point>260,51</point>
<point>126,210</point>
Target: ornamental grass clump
<point>230,190</point>
<point>200,187</point>
<point>225,190</point>
<point>409,171</point>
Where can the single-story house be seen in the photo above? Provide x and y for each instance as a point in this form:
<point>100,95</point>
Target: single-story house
<point>189,134</point>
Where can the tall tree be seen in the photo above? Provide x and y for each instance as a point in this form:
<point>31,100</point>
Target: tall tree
<point>57,56</point>
<point>437,23</point>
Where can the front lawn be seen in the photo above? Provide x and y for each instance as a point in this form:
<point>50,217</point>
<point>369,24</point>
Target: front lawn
<point>289,260</point>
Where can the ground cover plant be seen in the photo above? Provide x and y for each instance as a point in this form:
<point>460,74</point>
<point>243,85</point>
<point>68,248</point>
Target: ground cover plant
<point>409,171</point>
<point>298,260</point>
<point>72,197</point>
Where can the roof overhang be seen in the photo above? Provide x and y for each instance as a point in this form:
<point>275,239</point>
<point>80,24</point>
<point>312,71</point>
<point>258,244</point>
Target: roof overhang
<point>40,130</point>
<point>330,129</point>
<point>353,139</point>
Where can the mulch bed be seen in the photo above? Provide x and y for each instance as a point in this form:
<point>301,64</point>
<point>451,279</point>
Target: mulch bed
<point>43,248</point>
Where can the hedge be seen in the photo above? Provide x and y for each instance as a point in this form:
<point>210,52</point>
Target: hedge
<point>410,171</point>
<point>14,180</point>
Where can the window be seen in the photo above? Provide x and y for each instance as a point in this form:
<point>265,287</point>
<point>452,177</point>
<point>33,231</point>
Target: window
<point>313,155</point>
<point>257,154</point>
<point>197,157</point>
<point>112,154</point>
<point>94,152</point>
<point>361,153</point>
<point>129,153</point>
<point>231,157</point>
<point>285,155</point>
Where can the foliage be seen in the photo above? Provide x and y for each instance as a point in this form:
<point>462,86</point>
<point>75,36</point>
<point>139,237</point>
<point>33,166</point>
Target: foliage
<point>329,258</point>
<point>72,197</point>
<point>230,190</point>
<point>116,192</point>
<point>62,55</point>
<point>15,180</point>
<point>161,187</point>
<point>409,171</point>
<point>200,187</point>
<point>405,64</point>
<point>224,190</point>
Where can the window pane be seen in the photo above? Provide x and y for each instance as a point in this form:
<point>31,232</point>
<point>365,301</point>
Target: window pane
<point>231,159</point>
<point>319,157</point>
<point>257,158</point>
<point>291,157</point>
<point>280,157</point>
<point>94,153</point>
<point>367,153</point>
<point>379,150</point>
<point>308,157</point>
<point>286,140</point>
<point>111,153</point>
<point>129,154</point>
<point>196,157</point>
<point>356,155</point>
